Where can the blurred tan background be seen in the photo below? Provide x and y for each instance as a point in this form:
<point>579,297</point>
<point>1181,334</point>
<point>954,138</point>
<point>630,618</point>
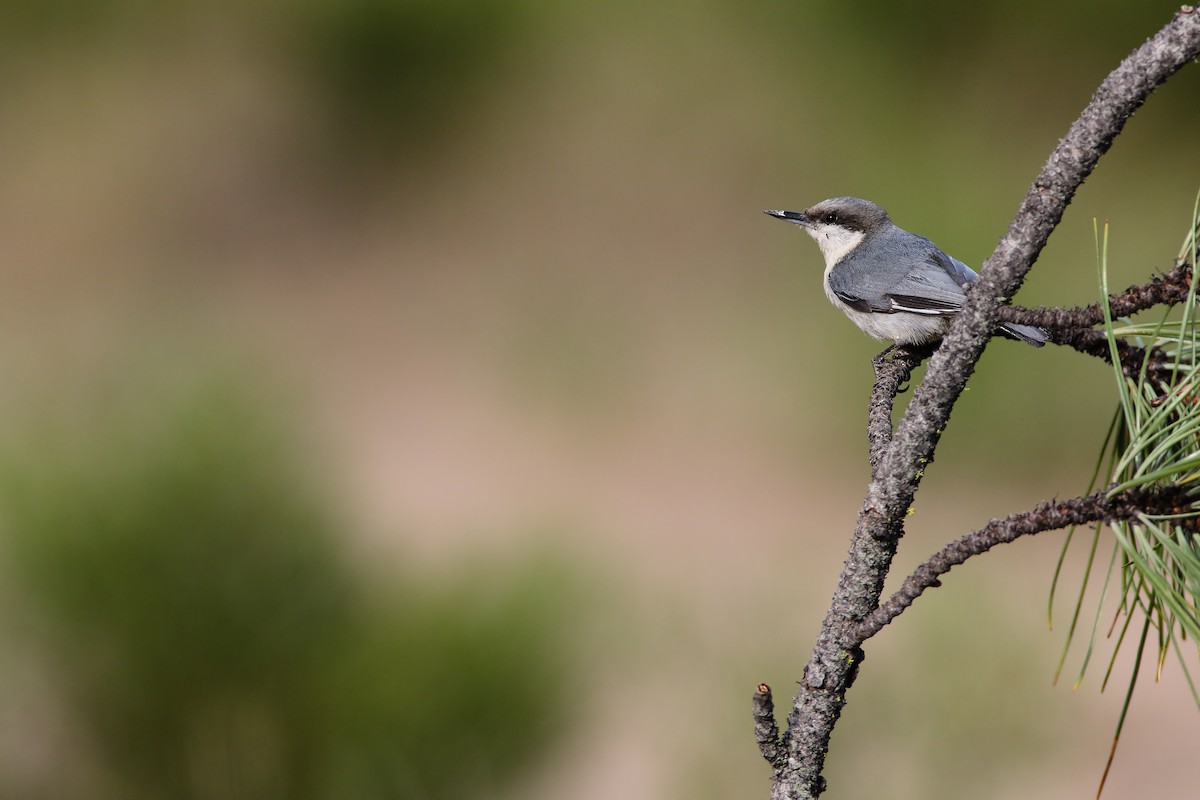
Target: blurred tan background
<point>409,399</point>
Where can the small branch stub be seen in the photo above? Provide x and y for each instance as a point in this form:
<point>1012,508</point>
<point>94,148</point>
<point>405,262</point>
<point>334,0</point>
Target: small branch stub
<point>766,730</point>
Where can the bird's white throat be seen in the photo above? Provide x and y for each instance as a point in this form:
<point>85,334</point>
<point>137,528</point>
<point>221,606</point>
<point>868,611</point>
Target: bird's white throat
<point>835,242</point>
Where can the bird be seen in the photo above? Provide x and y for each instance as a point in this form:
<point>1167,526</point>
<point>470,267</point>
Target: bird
<point>892,284</point>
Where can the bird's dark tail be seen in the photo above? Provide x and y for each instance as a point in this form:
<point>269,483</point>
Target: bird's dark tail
<point>1025,333</point>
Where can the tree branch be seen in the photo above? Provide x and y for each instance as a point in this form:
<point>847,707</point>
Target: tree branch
<point>1074,327</point>
<point>893,368</point>
<point>837,653</point>
<point>1048,516</point>
<point>1170,288</point>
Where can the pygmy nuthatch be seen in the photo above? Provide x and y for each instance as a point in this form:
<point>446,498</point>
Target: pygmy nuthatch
<point>891,283</point>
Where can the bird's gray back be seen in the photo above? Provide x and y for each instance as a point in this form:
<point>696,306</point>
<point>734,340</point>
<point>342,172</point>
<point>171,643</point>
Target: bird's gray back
<point>897,267</point>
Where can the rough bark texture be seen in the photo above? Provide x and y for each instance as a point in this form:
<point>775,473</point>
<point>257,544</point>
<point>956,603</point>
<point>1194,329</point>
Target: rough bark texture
<point>893,368</point>
<point>766,730</point>
<point>1074,327</point>
<point>899,463</point>
<point>1170,288</point>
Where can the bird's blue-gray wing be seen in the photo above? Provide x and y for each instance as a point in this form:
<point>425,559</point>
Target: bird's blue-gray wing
<point>906,273</point>
<point>934,285</point>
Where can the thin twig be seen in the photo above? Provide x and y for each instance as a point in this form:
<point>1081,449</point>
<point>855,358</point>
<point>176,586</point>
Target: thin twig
<point>1170,288</point>
<point>1074,327</point>
<point>1049,516</point>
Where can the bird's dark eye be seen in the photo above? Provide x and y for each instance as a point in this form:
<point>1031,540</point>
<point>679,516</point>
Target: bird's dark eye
<point>830,218</point>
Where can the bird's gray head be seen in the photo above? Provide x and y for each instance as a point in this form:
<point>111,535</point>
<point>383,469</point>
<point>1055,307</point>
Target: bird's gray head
<point>839,224</point>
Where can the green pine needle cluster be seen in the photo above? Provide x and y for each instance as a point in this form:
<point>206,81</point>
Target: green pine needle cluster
<point>1156,443</point>
<point>1153,443</point>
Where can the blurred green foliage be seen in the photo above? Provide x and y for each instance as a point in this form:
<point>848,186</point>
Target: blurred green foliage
<point>214,640</point>
<point>390,67</point>
<point>388,72</point>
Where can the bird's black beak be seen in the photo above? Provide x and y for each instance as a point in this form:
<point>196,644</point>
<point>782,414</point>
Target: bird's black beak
<point>791,216</point>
